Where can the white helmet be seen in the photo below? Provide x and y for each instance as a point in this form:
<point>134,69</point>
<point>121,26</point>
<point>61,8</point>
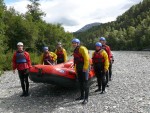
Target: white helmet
<point>19,44</point>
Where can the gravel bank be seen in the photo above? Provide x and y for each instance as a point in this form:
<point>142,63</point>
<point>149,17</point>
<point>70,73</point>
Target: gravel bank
<point>129,91</point>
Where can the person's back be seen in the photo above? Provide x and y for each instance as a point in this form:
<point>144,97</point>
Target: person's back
<point>108,51</point>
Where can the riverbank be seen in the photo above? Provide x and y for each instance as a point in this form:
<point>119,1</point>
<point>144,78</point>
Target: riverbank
<point>129,91</point>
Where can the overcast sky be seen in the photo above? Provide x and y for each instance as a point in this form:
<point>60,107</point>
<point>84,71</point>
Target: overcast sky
<point>74,14</point>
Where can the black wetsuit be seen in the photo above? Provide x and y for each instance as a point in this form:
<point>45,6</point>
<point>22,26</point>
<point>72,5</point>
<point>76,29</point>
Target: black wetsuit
<point>23,75</point>
<point>83,80</point>
<point>82,76</point>
<point>98,63</point>
<point>101,77</point>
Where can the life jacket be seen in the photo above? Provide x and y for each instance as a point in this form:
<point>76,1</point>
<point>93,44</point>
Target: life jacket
<point>105,48</point>
<point>20,57</point>
<point>78,58</point>
<point>47,58</point>
<point>97,57</point>
<point>60,54</point>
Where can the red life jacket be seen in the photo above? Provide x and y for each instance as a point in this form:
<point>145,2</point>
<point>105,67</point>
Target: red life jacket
<point>20,57</point>
<point>105,48</point>
<point>97,57</point>
<point>78,58</point>
<point>60,54</point>
<point>47,58</point>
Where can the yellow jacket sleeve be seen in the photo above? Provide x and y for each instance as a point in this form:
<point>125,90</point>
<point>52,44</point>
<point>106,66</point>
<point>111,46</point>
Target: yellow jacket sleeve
<point>52,54</point>
<point>41,61</point>
<point>106,63</point>
<point>84,52</point>
<point>65,55</point>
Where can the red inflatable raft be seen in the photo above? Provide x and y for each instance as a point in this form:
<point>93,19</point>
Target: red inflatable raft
<point>61,74</point>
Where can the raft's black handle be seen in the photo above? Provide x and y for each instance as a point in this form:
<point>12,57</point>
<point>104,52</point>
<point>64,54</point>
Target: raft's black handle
<point>40,72</point>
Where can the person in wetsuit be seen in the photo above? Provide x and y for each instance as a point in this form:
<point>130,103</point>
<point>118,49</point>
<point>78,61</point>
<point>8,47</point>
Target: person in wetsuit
<point>61,53</point>
<point>100,64</point>
<point>81,61</point>
<point>48,58</point>
<point>21,61</point>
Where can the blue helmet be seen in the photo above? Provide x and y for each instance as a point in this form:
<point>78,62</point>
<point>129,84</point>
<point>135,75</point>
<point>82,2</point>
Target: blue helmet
<point>75,40</point>
<point>102,39</point>
<point>45,48</point>
<point>98,44</point>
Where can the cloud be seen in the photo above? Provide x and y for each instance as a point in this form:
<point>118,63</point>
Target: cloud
<point>20,5</point>
<point>73,14</point>
<point>129,4</point>
<point>67,22</point>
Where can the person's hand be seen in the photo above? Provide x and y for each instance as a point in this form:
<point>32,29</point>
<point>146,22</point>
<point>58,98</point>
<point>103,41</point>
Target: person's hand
<point>84,70</point>
<point>112,61</point>
<point>105,70</point>
<point>92,66</point>
<point>14,72</point>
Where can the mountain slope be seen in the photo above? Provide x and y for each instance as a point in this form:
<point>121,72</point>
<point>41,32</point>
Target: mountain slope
<point>88,26</point>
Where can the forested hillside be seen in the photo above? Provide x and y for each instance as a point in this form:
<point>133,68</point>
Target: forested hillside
<point>131,31</point>
<point>29,28</point>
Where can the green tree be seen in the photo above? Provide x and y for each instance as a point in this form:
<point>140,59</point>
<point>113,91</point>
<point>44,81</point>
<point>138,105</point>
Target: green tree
<point>34,11</point>
<point>2,27</point>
